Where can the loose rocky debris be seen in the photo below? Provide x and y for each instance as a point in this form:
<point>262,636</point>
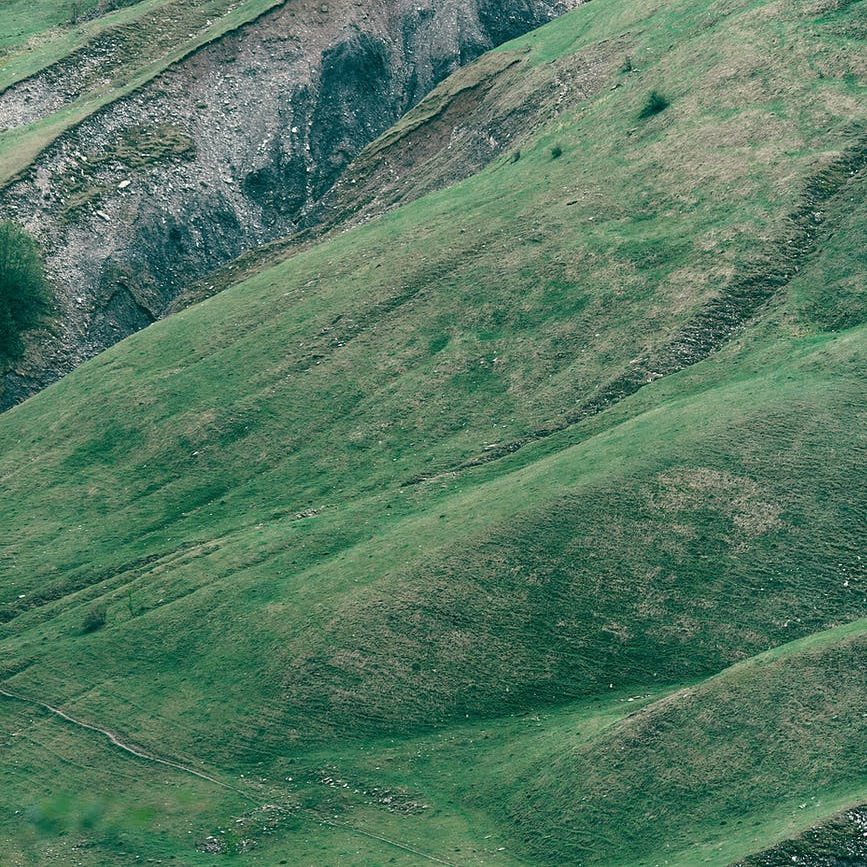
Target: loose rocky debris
<point>398,800</point>
<point>212,845</point>
<point>841,842</point>
<point>114,53</point>
<point>245,831</point>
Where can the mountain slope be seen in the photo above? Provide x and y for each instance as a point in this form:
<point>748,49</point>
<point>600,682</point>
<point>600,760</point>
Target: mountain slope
<point>418,509</point>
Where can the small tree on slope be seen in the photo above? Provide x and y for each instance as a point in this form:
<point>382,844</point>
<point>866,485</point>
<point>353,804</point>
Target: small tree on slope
<point>23,290</point>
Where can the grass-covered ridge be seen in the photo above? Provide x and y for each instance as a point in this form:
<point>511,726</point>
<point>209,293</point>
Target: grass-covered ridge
<point>710,763</point>
<point>428,499</point>
<point>135,43</point>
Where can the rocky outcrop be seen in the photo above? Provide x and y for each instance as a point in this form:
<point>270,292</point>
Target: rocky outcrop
<point>227,150</point>
<point>479,115</point>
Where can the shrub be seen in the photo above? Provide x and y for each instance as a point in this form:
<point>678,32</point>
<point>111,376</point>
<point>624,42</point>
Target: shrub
<point>654,104</point>
<point>516,155</point>
<point>94,619</point>
<point>556,152</point>
<point>23,290</point>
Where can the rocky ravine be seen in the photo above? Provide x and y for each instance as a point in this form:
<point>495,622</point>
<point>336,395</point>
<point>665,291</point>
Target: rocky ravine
<point>225,151</point>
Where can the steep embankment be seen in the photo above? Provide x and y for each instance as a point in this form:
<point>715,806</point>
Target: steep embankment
<point>388,535</point>
<point>842,840</point>
<point>219,153</point>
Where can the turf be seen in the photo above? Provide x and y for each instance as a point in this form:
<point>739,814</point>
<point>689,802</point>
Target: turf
<point>707,763</point>
<point>24,20</point>
<point>389,534</point>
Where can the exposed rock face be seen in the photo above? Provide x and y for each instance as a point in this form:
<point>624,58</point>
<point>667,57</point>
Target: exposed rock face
<point>475,116</point>
<point>225,151</point>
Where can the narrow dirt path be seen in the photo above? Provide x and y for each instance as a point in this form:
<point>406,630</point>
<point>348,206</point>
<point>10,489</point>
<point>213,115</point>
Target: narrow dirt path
<point>115,740</point>
<point>132,750</point>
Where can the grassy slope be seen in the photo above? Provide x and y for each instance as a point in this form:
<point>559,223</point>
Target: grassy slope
<point>23,20</point>
<point>231,483</point>
<point>840,836</point>
<point>707,763</point>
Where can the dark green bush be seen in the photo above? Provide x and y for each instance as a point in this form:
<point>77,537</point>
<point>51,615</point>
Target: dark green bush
<point>556,152</point>
<point>94,619</point>
<point>23,290</point>
<point>654,104</point>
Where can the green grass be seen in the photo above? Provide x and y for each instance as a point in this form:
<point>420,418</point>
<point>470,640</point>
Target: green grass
<point>707,763</point>
<point>24,19</point>
<point>377,514</point>
<point>48,812</point>
<point>34,35</point>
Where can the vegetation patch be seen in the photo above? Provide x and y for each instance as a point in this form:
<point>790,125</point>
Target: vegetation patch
<point>94,619</point>
<point>466,531</point>
<point>653,104</point>
<point>693,766</point>
<point>24,294</point>
<point>92,175</point>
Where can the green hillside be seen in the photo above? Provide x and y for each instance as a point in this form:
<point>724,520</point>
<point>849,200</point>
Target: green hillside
<point>707,762</point>
<point>522,524</point>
